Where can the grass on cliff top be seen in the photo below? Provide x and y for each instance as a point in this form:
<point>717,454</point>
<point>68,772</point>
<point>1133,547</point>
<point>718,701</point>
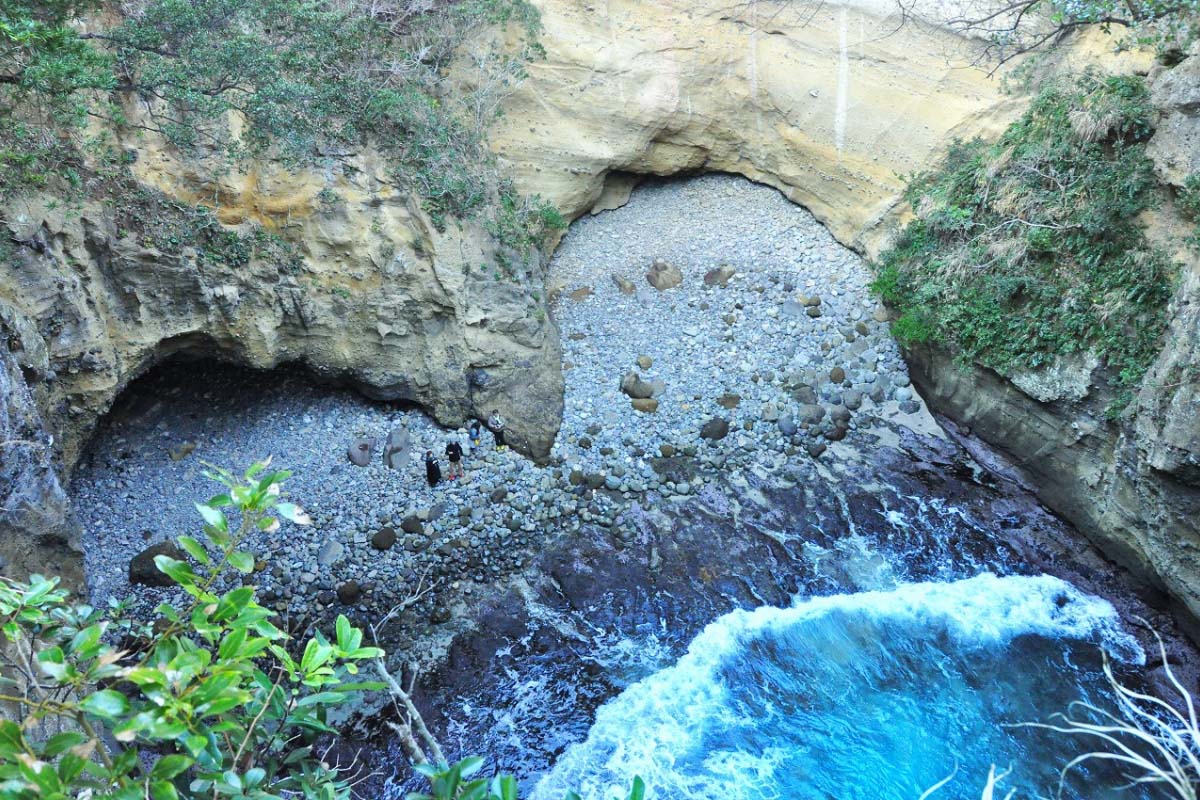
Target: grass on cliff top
<point>1030,248</point>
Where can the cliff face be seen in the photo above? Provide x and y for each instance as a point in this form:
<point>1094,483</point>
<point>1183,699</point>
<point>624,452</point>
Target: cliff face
<point>358,287</point>
<point>826,104</point>
<point>1132,484</point>
<point>830,103</point>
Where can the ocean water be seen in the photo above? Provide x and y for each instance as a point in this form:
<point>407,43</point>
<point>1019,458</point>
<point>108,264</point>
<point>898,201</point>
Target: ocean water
<point>874,695</point>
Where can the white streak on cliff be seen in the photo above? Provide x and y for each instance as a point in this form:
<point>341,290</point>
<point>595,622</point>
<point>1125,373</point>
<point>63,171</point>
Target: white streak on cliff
<point>843,83</point>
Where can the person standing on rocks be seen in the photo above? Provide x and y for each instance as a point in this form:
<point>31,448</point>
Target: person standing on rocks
<point>433,473</point>
<point>495,424</point>
<point>454,454</point>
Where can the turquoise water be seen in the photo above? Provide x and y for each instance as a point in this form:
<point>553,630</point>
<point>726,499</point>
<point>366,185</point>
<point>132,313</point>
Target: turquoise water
<point>867,696</point>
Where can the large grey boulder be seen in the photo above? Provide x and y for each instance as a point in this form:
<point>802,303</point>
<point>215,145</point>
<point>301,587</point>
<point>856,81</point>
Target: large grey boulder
<point>359,452</point>
<point>398,449</point>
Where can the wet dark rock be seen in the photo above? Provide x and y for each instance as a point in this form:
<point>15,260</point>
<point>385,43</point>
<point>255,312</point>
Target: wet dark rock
<point>384,538</point>
<point>411,524</point>
<point>715,429</point>
<point>143,570</point>
<point>349,593</point>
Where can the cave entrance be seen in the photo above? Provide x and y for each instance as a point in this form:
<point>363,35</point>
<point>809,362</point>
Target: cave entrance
<point>143,467</point>
<point>706,307</point>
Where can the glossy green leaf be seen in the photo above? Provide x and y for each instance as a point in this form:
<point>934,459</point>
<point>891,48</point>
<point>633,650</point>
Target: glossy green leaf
<point>106,703</point>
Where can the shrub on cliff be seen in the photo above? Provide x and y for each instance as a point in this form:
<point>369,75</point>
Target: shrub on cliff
<point>210,700</point>
<point>1030,248</point>
<point>308,82</point>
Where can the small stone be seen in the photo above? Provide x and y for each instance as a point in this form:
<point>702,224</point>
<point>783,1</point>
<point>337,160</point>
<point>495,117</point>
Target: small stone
<point>837,375</point>
<point>645,362</point>
<point>666,450</point>
<point>349,592</point>
<point>439,615</point>
<point>813,312</point>
<point>715,429</point>
<point>645,405</point>
<point>729,401</point>
<point>663,275</point>
<point>812,302</point>
<point>143,570</point>
<point>411,524</point>
<point>384,538</point>
<point>498,495</point>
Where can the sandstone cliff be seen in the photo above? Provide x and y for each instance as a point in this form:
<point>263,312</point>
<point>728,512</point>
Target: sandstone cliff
<point>1131,484</point>
<point>342,275</point>
<point>828,104</point>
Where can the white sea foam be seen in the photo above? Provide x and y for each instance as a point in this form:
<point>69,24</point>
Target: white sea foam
<point>684,729</point>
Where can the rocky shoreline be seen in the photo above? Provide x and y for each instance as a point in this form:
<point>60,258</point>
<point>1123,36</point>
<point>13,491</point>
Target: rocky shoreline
<point>744,434</point>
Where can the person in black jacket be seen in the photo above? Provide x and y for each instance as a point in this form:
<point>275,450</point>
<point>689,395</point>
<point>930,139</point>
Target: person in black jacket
<point>433,473</point>
<point>454,454</point>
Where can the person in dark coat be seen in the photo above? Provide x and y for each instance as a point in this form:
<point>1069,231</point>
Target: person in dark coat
<point>454,454</point>
<point>433,473</point>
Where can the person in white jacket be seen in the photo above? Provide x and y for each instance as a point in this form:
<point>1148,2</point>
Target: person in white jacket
<point>495,424</point>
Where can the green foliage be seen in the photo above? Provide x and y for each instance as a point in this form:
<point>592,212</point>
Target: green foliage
<point>522,224</point>
<point>1030,248</point>
<point>452,782</point>
<point>45,69</point>
<point>1188,201</point>
<point>308,82</point>
<point>211,700</point>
